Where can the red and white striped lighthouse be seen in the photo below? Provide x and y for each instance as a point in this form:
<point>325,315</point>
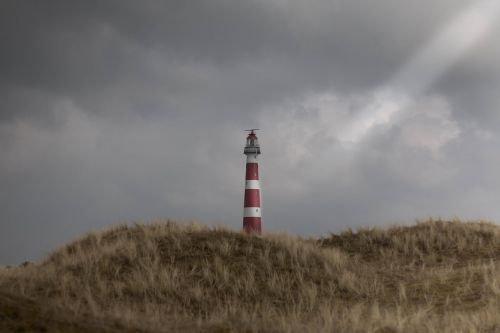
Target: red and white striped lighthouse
<point>251,212</point>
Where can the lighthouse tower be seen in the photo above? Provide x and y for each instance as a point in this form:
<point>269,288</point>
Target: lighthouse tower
<point>251,213</point>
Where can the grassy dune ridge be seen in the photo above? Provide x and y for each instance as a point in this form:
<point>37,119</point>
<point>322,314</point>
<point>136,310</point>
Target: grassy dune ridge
<point>435,276</point>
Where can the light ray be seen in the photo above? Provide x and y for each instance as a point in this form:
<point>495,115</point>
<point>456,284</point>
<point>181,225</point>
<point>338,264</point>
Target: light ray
<point>430,63</point>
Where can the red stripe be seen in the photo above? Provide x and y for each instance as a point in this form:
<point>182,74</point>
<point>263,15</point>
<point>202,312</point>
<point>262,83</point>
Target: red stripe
<point>252,171</point>
<point>252,225</point>
<point>252,198</point>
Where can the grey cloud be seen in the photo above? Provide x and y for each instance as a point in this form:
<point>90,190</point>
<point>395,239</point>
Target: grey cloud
<point>89,46</point>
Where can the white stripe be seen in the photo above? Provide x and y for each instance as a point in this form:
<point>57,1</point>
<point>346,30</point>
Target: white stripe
<point>252,185</point>
<point>252,158</point>
<point>251,212</point>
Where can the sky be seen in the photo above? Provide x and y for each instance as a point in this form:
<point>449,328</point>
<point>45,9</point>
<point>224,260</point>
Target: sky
<point>120,111</point>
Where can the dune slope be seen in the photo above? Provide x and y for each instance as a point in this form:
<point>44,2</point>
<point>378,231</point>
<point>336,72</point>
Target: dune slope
<point>435,276</point>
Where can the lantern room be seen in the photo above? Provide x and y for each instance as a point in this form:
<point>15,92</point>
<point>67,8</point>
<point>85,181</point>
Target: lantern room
<point>252,146</point>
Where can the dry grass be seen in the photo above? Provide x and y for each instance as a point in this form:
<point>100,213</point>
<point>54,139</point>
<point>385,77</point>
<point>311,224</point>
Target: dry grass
<point>435,276</point>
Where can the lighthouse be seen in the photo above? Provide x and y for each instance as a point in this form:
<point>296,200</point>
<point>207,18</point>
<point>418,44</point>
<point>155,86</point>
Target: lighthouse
<point>251,212</point>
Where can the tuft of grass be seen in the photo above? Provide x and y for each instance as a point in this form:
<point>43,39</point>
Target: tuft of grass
<point>435,276</point>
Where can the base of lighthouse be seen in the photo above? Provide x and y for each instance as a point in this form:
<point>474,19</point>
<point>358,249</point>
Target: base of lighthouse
<point>252,225</point>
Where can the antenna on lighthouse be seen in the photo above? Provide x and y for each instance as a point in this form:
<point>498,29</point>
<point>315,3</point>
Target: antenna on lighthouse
<point>252,213</point>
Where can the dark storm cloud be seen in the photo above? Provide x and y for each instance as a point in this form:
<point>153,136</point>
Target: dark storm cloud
<point>78,48</point>
<point>122,110</point>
